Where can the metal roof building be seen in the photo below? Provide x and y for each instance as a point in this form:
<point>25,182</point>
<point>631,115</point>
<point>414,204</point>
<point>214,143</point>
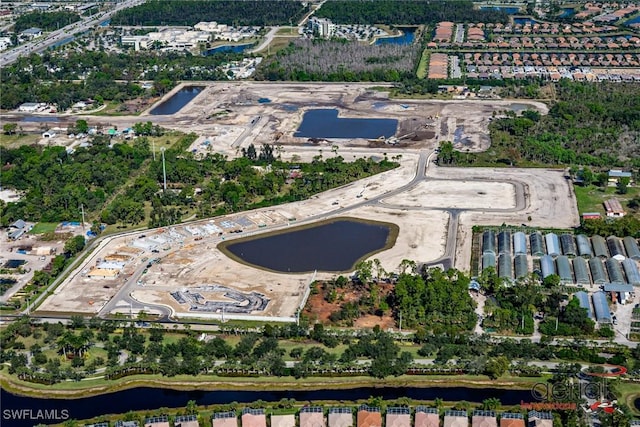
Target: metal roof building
<point>489,242</point>
<point>488,260</point>
<point>598,275</point>
<point>547,266</point>
<point>505,269</point>
<point>599,246</point>
<point>553,244</point>
<point>616,248</point>
<point>564,269</point>
<point>519,243</point>
<point>504,242</point>
<point>584,246</point>
<point>631,246</point>
<point>581,271</point>
<point>521,266</point>
<point>616,275</point>
<point>583,298</point>
<point>535,241</point>
<point>601,307</point>
<point>631,271</point>
<point>568,245</point>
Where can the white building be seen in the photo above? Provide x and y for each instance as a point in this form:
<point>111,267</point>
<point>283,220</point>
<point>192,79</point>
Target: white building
<point>172,39</point>
<point>29,107</point>
<point>322,27</point>
<point>5,42</point>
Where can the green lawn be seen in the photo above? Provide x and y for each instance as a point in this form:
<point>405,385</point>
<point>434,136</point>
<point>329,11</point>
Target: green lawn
<point>591,198</point>
<point>44,227</point>
<point>16,140</point>
<point>421,71</point>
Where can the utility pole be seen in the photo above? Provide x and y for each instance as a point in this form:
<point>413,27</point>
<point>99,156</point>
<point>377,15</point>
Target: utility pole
<point>153,149</point>
<point>82,210</point>
<point>400,321</point>
<point>164,170</point>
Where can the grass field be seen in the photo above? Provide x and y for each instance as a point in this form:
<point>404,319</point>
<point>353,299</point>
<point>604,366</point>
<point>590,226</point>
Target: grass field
<point>591,198</point>
<point>44,227</point>
<point>421,71</point>
<point>15,141</point>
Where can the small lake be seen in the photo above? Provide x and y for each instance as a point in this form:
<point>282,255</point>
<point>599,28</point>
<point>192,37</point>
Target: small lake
<point>524,21</point>
<point>227,48</point>
<point>331,246</point>
<point>506,9</point>
<point>407,37</point>
<point>146,398</point>
<point>325,123</point>
<point>177,101</point>
<point>567,12</point>
<point>635,20</point>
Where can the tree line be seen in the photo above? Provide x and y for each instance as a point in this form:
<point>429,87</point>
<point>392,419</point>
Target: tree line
<point>237,13</point>
<point>47,21</point>
<point>407,12</point>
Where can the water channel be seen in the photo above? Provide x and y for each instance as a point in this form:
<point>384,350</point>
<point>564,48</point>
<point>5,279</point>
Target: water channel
<point>177,101</point>
<point>146,398</point>
<point>331,246</point>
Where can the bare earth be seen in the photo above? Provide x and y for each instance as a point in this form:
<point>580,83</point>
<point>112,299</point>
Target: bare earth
<point>179,272</point>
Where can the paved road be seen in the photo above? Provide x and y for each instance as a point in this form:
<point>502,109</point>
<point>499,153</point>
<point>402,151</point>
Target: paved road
<point>268,38</point>
<point>38,45</point>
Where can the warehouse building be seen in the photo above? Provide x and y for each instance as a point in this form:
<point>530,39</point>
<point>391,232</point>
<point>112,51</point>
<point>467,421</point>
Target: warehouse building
<point>601,307</point>
<point>553,244</point>
<point>616,249</point>
<point>631,271</point>
<point>564,269</point>
<point>583,298</point>
<point>598,275</point>
<point>584,246</point>
<point>568,245</point>
<point>631,246</point>
<point>581,271</point>
<point>599,247</point>
<point>537,248</point>
<point>519,243</point>
<point>614,269</point>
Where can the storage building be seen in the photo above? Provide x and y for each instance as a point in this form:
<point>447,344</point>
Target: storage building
<point>616,249</point>
<point>535,240</point>
<point>614,269</point>
<point>601,307</point>
<point>599,247</point>
<point>505,270</point>
<point>426,417</point>
<point>581,271</point>
<point>484,419</point>
<point>511,419</point>
<point>519,243</point>
<point>547,266</point>
<point>568,245</point>
<point>340,417</point>
<point>631,271</point>
<point>631,246</point>
<point>564,269</point>
<point>521,266</point>
<point>488,260</point>
<point>553,244</point>
<point>584,246</point>
<point>504,242</point>
<point>489,242</point>
<point>398,417</point>
<point>456,419</point>
<point>598,275</point>
<point>312,416</point>
<point>369,416</point>
<point>583,298</point>
<point>224,419</point>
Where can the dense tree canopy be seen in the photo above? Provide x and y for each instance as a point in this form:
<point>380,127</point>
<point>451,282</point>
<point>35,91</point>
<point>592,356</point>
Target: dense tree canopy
<point>47,21</point>
<point>230,12</point>
<point>407,12</point>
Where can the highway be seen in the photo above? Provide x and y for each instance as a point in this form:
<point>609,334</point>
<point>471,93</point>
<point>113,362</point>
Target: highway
<point>42,43</point>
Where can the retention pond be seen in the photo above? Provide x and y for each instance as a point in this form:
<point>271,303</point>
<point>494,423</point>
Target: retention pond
<point>325,123</point>
<point>335,245</point>
<point>177,101</point>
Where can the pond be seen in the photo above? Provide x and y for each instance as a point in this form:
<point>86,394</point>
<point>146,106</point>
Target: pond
<point>228,48</point>
<point>335,245</point>
<point>325,123</point>
<point>146,398</point>
<point>177,101</point>
<point>506,9</point>
<point>407,37</point>
<point>567,12</point>
<point>524,21</point>
<point>635,20</point>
